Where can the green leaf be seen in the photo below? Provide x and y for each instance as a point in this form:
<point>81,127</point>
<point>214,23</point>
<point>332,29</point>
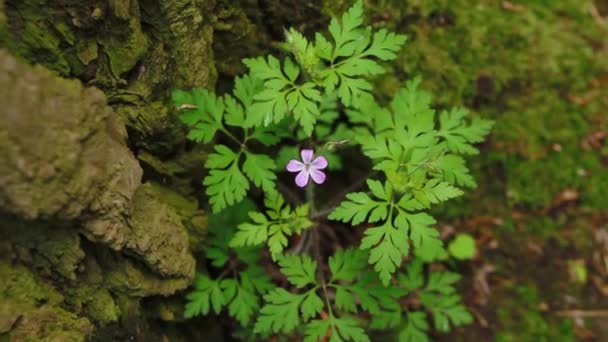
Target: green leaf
<point>347,264</point>
<point>349,56</point>
<point>244,302</point>
<point>388,246</point>
<point>207,294</point>
<point>221,228</point>
<point>316,330</point>
<point>446,310</point>
<point>269,104</point>
<point>254,278</point>
<point>459,137</point>
<point>347,328</point>
<point>462,247</point>
<point>345,300</point>
<point>357,208</point>
<point>413,278</point>
<point>424,238</point>
<point>280,314</point>
<point>415,329</point>
<point>282,221</point>
<point>259,168</point>
<point>245,89</point>
<point>345,33</point>
<point>304,103</point>
<point>221,158</point>
<point>281,94</point>
<point>453,170</point>
<point>225,187</point>
<point>312,305</point>
<point>442,282</point>
<point>436,191</point>
<point>385,45</point>
<point>252,234</point>
<point>201,110</point>
<point>300,270</point>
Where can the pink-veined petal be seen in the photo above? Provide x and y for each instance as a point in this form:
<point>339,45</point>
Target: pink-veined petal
<point>319,163</point>
<point>306,156</point>
<point>317,176</point>
<point>295,166</point>
<point>302,178</point>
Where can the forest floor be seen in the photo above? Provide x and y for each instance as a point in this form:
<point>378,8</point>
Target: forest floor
<point>543,286</point>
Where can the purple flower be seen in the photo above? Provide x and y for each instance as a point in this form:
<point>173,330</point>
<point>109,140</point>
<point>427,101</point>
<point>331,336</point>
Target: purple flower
<point>308,168</point>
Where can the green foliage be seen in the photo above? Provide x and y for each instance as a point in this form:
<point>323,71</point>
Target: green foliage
<point>273,228</point>
<point>462,247</point>
<point>405,145</point>
<point>321,97</point>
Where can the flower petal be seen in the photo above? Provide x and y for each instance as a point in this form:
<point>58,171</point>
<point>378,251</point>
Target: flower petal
<point>302,178</point>
<point>317,176</point>
<point>295,166</point>
<point>306,156</point>
<point>319,163</point>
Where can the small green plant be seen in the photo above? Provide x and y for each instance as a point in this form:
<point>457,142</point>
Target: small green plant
<point>462,247</point>
<point>320,102</point>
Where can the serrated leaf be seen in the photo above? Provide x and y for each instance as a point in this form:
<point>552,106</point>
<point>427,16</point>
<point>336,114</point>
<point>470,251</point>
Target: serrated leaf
<point>442,282</point>
<point>311,306</point>
<point>357,208</point>
<point>415,329</point>
<point>225,187</point>
<point>300,270</point>
<point>385,44</point>
<point>345,300</point>
<point>201,110</point>
<point>251,234</point>
<point>436,191</point>
<point>259,168</point>
<point>424,238</point>
<point>446,310</point>
<point>242,301</point>
<point>280,314</point>
<point>269,104</point>
<point>344,32</point>
<point>206,295</point>
<point>347,264</point>
<point>349,56</point>
<point>459,137</point>
<point>413,278</point>
<point>386,319</point>
<point>348,329</point>
<point>273,228</point>
<point>454,170</point>
<point>221,228</point>
<point>388,246</point>
<point>316,330</point>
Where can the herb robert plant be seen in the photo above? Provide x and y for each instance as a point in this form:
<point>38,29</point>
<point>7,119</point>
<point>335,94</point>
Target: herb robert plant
<point>320,99</point>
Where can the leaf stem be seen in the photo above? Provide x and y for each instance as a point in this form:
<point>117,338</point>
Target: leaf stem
<point>231,136</point>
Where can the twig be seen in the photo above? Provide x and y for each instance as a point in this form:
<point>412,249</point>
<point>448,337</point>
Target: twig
<point>582,313</point>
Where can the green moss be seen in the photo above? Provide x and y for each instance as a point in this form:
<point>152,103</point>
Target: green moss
<point>124,43</point>
<point>48,249</point>
<point>521,320</point>
<point>93,301</point>
<point>30,310</point>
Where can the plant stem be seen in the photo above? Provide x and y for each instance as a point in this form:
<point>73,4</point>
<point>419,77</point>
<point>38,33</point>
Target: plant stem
<point>231,136</point>
<point>310,198</point>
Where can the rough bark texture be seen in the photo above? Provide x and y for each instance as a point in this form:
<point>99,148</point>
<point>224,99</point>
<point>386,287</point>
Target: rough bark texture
<point>67,175</point>
<point>85,246</point>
